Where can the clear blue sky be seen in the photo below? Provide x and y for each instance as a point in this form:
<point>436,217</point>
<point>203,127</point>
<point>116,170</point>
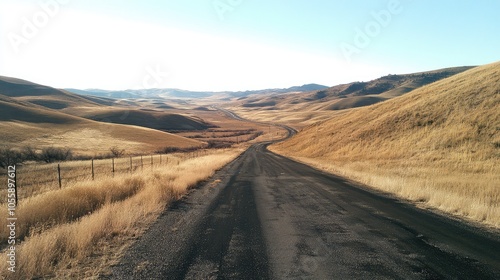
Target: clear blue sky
<point>240,44</point>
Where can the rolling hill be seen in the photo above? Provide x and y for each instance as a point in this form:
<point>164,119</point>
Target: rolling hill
<point>439,144</point>
<point>359,94</point>
<point>45,96</point>
<point>299,109</point>
<point>26,126</point>
<point>394,85</point>
<point>22,111</point>
<point>152,118</point>
<point>26,122</point>
<point>354,102</point>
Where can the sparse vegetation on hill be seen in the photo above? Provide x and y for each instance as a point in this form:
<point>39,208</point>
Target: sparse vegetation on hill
<point>438,145</point>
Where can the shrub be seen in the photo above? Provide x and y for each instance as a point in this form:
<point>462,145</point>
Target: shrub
<point>218,144</point>
<point>52,154</point>
<point>9,156</point>
<point>116,152</point>
<point>29,153</point>
<point>168,150</point>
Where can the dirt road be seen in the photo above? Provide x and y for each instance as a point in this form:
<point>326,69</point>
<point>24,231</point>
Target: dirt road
<point>267,217</point>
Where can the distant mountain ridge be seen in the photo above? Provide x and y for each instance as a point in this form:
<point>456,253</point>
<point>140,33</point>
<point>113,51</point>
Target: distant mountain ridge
<point>180,93</point>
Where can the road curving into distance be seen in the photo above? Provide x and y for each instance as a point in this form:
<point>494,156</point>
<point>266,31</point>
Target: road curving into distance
<point>291,131</point>
<point>264,216</point>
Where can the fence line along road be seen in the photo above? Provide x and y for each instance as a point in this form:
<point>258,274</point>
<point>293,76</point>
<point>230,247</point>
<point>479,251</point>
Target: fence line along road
<point>33,179</point>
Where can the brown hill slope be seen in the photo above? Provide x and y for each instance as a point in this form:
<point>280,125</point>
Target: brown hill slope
<point>439,144</point>
<point>354,102</point>
<point>25,124</point>
<point>302,109</point>
<point>43,95</point>
<point>155,119</point>
<point>382,88</point>
<point>15,110</point>
<point>393,85</point>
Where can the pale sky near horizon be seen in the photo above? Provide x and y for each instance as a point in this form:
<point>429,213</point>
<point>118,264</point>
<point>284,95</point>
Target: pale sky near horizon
<point>222,45</point>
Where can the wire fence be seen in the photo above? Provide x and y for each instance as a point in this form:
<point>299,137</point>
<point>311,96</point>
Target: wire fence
<point>36,178</point>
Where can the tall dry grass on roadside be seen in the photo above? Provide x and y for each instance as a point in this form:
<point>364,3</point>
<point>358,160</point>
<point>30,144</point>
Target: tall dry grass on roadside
<point>438,145</point>
<point>66,242</point>
<point>62,206</point>
<point>36,178</point>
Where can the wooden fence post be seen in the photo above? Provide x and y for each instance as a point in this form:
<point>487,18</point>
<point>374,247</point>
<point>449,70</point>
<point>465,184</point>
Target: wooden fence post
<point>113,163</point>
<point>59,174</point>
<point>151,161</point>
<point>92,169</point>
<point>160,159</point>
<point>142,164</point>
<point>131,164</point>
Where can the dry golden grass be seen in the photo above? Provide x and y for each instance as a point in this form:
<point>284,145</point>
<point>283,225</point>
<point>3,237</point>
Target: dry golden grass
<point>24,124</point>
<point>90,138</point>
<point>61,245</point>
<point>297,116</point>
<point>36,178</point>
<point>68,204</point>
<point>439,145</point>
<point>15,110</point>
<point>151,117</point>
<point>225,124</point>
<point>299,110</point>
<point>45,96</point>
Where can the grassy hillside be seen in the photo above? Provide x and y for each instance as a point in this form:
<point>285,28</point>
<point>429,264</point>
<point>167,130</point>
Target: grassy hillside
<point>155,119</point>
<point>357,94</point>
<point>24,124</point>
<point>439,144</point>
<point>43,95</point>
<point>354,102</point>
<point>302,109</point>
<point>394,85</point>
<point>14,110</point>
<point>35,115</point>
